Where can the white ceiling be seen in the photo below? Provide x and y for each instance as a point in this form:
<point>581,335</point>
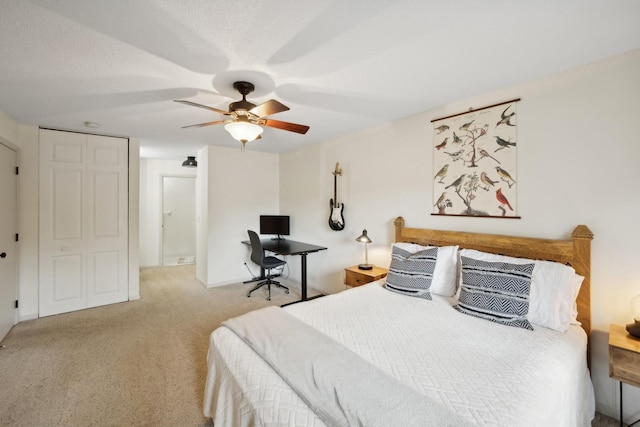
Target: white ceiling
<point>340,65</point>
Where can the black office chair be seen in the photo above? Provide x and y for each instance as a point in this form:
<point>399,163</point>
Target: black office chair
<point>267,263</point>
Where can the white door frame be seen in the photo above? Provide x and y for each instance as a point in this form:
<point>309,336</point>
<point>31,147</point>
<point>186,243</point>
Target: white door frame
<point>15,250</point>
<point>161,198</point>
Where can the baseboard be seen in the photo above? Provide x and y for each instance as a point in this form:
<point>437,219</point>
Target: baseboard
<point>134,297</point>
<point>31,316</point>
<point>224,283</point>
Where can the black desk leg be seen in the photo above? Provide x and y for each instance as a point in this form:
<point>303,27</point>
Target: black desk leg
<point>303,261</point>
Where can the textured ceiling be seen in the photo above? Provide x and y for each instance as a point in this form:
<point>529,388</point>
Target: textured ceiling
<point>341,65</point>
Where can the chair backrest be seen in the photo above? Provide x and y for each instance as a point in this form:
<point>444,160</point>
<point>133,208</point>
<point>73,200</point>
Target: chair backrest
<point>257,253</point>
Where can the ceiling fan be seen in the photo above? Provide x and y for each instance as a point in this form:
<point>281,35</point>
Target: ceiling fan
<point>246,119</point>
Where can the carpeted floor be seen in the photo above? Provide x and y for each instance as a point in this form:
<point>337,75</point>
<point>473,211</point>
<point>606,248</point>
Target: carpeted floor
<point>139,363</point>
<point>604,421</point>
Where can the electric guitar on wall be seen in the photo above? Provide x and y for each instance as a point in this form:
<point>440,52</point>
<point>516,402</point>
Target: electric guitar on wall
<point>336,220</point>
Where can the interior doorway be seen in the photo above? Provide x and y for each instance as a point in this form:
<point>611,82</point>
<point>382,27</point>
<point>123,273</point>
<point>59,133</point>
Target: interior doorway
<point>178,220</point>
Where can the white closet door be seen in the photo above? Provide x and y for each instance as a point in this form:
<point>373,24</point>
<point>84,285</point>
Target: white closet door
<point>83,221</point>
<point>107,220</point>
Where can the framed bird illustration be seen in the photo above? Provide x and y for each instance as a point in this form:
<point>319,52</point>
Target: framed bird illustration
<point>474,162</point>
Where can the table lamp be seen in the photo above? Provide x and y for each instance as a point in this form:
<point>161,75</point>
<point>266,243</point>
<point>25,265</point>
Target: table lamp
<point>366,240</point>
<point>634,328</point>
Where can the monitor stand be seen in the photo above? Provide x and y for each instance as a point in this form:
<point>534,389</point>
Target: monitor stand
<point>279,237</point>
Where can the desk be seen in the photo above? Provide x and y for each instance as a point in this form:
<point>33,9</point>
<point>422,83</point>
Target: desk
<point>291,247</point>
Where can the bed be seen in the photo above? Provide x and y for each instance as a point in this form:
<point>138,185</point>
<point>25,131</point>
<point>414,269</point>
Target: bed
<point>374,355</point>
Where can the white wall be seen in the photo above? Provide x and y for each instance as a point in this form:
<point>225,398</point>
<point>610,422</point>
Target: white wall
<point>134,219</point>
<point>240,186</point>
<point>8,129</point>
<point>151,173</point>
<point>202,213</point>
<point>578,151</point>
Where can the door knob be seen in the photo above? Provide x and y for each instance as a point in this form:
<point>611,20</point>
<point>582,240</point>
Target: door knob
<point>3,255</point>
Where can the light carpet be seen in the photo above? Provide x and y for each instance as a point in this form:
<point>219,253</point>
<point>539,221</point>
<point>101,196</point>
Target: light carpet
<point>139,363</point>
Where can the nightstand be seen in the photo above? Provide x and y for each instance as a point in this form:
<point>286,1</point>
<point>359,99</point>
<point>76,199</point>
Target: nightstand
<point>353,276</point>
<point>624,359</point>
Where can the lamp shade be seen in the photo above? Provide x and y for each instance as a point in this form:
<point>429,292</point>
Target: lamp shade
<point>634,328</point>
<point>243,131</point>
<point>190,162</point>
<point>363,238</point>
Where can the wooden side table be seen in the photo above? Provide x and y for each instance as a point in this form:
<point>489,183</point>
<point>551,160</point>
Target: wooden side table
<point>353,276</point>
<point>624,359</point>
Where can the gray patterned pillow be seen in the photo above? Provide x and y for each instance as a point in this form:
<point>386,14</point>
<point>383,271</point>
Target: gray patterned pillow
<point>411,273</point>
<point>496,291</point>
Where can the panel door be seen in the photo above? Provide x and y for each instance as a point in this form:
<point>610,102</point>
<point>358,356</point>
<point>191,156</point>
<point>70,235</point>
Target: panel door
<point>107,220</point>
<point>8,244</point>
<point>83,221</point>
<point>62,256</point>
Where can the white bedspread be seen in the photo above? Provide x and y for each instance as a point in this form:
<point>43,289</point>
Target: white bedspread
<point>491,374</point>
<point>331,379</point>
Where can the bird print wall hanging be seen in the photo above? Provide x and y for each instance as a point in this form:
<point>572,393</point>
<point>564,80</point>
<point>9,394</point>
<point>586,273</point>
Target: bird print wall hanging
<point>474,162</point>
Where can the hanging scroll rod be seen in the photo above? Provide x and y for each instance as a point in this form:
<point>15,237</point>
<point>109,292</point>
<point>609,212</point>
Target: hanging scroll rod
<point>471,110</point>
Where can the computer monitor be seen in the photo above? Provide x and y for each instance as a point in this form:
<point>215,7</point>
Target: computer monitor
<point>274,224</point>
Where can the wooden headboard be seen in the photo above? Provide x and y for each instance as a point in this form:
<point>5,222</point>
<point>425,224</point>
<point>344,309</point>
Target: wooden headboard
<point>575,252</point>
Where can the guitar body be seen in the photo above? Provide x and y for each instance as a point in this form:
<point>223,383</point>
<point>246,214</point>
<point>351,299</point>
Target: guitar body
<point>336,218</point>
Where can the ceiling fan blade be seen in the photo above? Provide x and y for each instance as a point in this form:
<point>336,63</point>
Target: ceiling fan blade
<point>193,104</point>
<point>199,125</point>
<point>292,127</point>
<point>267,108</point>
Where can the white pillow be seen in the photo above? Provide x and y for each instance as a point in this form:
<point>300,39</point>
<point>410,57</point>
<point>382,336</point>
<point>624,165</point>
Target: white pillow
<point>574,308</point>
<point>445,274</point>
<point>554,288</point>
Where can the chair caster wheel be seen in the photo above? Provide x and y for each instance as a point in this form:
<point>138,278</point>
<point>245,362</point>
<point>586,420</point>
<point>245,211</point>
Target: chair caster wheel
<point>269,299</point>
<point>248,295</point>
<point>286,292</point>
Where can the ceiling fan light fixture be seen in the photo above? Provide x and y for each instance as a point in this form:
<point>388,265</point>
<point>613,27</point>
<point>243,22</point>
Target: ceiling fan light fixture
<point>243,131</point>
<point>245,119</point>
